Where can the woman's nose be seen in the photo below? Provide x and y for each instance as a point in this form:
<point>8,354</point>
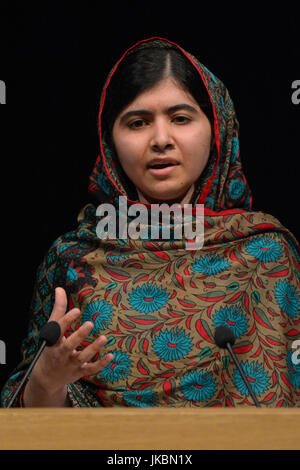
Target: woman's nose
<point>161,138</point>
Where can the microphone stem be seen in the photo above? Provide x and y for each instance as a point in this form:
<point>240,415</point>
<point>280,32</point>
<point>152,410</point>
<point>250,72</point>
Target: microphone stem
<point>228,346</point>
<point>28,372</point>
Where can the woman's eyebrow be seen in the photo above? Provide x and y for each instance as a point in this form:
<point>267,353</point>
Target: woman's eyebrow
<point>146,112</point>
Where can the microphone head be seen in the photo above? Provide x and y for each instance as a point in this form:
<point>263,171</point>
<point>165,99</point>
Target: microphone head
<point>224,335</point>
<point>50,332</point>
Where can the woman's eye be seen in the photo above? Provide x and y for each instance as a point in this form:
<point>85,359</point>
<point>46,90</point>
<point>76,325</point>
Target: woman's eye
<point>181,119</point>
<point>139,123</point>
<point>136,124</point>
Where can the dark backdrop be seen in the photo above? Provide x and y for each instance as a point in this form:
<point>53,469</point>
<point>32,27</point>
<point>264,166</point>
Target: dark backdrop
<point>54,59</point>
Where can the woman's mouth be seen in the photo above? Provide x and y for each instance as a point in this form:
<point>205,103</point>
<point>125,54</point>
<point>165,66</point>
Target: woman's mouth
<point>162,169</point>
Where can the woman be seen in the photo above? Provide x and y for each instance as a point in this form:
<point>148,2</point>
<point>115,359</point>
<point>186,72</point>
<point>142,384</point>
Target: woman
<point>138,316</point>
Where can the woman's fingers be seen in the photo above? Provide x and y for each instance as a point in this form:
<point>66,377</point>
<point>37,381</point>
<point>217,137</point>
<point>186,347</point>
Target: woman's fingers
<point>74,340</point>
<point>60,304</point>
<point>65,320</point>
<point>68,319</point>
<point>91,368</point>
<point>64,364</point>
<point>59,314</point>
<point>83,357</point>
<point>89,352</point>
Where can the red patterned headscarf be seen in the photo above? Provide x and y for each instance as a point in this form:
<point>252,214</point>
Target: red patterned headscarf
<point>222,184</point>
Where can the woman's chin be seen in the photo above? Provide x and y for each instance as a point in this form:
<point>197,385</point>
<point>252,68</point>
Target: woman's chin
<point>163,197</point>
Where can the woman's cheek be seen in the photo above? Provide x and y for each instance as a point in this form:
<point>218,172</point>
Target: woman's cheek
<point>125,151</point>
<point>131,162</point>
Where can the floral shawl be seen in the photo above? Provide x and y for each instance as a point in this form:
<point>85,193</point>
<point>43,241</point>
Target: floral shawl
<point>159,303</point>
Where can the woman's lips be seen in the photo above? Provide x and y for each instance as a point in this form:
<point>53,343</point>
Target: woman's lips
<point>163,171</point>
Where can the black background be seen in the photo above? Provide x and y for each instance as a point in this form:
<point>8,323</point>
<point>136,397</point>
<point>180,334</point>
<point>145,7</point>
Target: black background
<point>54,58</point>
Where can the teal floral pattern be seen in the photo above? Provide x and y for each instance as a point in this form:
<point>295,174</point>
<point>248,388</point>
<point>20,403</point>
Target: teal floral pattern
<point>148,298</point>
<point>255,375</point>
<point>210,265</point>
<point>288,298</point>
<point>100,313</point>
<point>265,248</point>
<point>141,399</point>
<point>117,369</point>
<point>198,386</point>
<point>172,345</point>
<point>232,317</point>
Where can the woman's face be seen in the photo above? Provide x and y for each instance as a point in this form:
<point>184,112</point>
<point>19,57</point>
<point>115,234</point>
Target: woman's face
<point>163,143</point>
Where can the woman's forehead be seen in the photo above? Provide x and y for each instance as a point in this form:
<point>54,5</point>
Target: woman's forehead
<point>164,94</point>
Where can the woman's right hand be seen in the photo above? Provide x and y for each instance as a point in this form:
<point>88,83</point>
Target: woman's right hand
<point>62,364</point>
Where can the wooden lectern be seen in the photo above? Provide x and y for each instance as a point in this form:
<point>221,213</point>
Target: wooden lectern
<point>149,429</point>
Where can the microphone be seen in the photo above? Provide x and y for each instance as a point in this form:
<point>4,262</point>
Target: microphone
<point>49,334</point>
<point>224,338</point>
